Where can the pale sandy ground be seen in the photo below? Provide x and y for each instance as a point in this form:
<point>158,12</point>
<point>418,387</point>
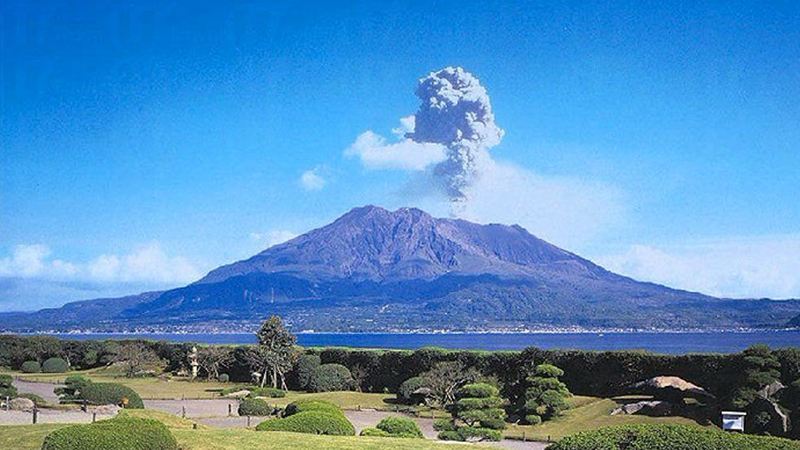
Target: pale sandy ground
<point>213,413</point>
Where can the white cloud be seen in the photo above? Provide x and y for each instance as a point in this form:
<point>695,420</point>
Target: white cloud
<point>753,267</point>
<point>566,211</point>
<point>375,152</point>
<point>148,263</point>
<point>312,180</point>
<point>273,237</point>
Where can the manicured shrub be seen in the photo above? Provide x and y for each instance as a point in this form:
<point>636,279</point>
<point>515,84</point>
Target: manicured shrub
<point>311,405</point>
<point>545,396</point>
<point>668,437</point>
<point>267,392</point>
<point>120,433</point>
<point>71,389</point>
<point>223,378</point>
<point>7,388</point>
<point>55,365</point>
<point>31,367</point>
<point>405,393</point>
<point>444,425</point>
<point>254,407</point>
<point>304,368</point>
<point>400,427</point>
<point>313,422</point>
<point>477,414</point>
<point>330,377</point>
<point>110,393</point>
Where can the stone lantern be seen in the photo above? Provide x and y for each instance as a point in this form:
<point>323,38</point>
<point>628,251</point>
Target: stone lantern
<point>193,362</point>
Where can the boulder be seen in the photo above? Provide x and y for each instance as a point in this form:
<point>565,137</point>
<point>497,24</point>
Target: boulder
<point>656,408</point>
<point>20,404</point>
<point>238,394</point>
<point>770,390</point>
<point>670,388</point>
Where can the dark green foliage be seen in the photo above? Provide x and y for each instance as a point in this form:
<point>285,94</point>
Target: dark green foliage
<point>759,367</point>
<point>405,393</point>
<point>31,367</point>
<point>311,405</point>
<point>255,407</point>
<point>72,386</point>
<point>55,365</point>
<point>545,396</point>
<point>477,414</point>
<point>266,392</point>
<point>223,378</point>
<point>110,393</point>
<point>313,422</point>
<point>7,388</point>
<point>120,433</point>
<point>668,437</point>
<point>444,425</point>
<point>304,369</point>
<point>330,377</point>
<point>399,427</point>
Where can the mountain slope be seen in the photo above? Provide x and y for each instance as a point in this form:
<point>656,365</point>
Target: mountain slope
<point>374,269</point>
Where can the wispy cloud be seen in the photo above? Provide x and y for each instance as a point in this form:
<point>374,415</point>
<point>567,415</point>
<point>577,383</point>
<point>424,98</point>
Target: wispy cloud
<point>312,179</point>
<point>273,237</point>
<point>147,263</point>
<point>755,266</point>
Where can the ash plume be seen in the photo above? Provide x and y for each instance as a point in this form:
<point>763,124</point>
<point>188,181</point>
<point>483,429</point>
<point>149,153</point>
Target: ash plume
<point>455,112</point>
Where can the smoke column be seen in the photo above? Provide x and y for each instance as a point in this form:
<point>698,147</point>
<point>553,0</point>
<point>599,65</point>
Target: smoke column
<point>455,112</point>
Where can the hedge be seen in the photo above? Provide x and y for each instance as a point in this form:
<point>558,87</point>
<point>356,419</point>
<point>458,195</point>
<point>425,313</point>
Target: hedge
<point>312,422</point>
<point>301,406</point>
<point>330,377</point>
<point>255,407</point>
<point>31,367</point>
<point>119,433</point>
<point>110,393</point>
<point>55,365</point>
<point>267,392</point>
<point>668,437</point>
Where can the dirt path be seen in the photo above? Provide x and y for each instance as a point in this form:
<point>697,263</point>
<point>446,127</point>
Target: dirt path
<point>44,390</point>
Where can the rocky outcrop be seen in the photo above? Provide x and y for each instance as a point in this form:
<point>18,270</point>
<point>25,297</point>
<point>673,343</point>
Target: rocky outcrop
<point>655,408</point>
<point>670,388</point>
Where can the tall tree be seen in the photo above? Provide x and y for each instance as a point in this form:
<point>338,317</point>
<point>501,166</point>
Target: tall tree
<point>275,353</point>
<point>135,357</point>
<point>445,378</point>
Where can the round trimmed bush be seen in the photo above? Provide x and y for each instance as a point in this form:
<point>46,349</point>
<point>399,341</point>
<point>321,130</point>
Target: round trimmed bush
<point>312,422</point>
<point>31,367</point>
<point>110,393</point>
<point>55,365</point>
<point>311,405</point>
<point>254,407</point>
<point>223,378</point>
<point>668,436</point>
<point>119,433</point>
<point>405,393</point>
<point>400,427</point>
<point>304,368</point>
<point>374,432</point>
<point>331,377</point>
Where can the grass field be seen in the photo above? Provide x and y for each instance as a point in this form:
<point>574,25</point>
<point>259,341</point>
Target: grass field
<point>30,437</point>
<point>587,413</point>
<point>177,388</point>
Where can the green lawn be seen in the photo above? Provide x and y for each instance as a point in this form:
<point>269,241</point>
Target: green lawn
<point>587,413</point>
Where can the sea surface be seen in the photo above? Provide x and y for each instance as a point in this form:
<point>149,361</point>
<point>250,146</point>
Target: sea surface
<point>658,342</point>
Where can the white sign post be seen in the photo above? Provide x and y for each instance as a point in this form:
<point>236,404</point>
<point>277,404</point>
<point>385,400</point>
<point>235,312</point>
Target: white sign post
<point>733,421</point>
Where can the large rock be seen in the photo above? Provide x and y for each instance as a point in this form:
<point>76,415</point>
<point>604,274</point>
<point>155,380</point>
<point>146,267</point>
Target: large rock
<point>670,388</point>
<point>770,390</point>
<point>238,394</point>
<point>107,410</point>
<point>657,408</point>
<point>20,404</point>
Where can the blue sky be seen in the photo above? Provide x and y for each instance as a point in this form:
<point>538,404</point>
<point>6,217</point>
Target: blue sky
<point>145,144</point>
